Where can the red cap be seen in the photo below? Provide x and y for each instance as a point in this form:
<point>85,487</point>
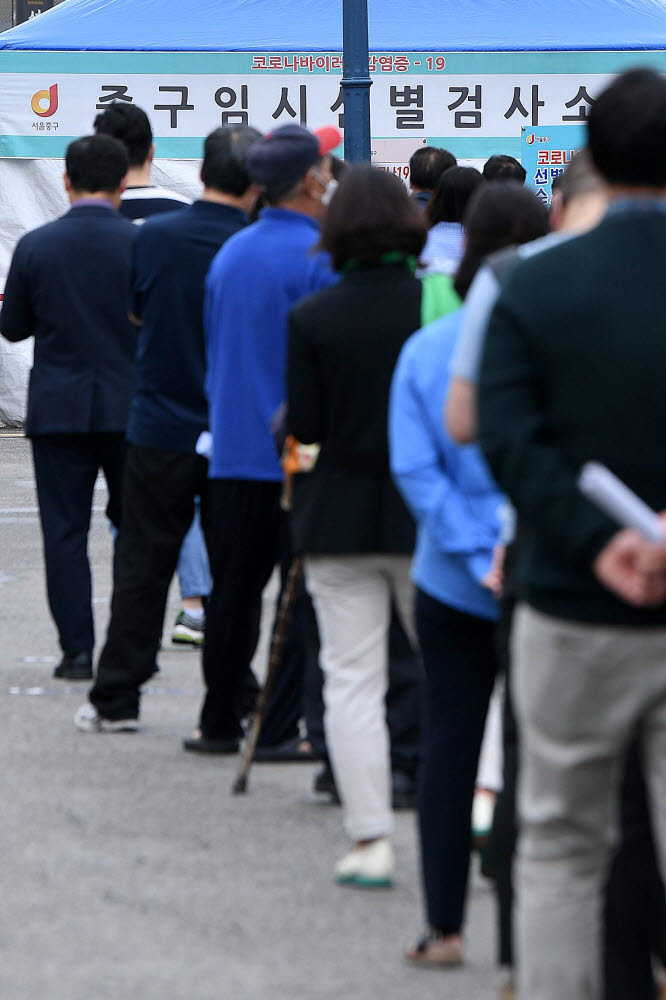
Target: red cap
<point>329,138</point>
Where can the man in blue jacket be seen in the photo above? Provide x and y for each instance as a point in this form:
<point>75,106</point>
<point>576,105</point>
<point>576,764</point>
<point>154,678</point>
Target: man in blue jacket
<point>67,286</point>
<point>252,284</point>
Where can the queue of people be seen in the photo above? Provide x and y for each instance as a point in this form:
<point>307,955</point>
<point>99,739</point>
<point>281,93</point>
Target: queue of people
<point>397,330</point>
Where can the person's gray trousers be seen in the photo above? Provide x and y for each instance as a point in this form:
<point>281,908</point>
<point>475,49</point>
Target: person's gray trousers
<point>581,692</point>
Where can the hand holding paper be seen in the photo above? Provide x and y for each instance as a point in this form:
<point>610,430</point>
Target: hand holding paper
<point>633,563</point>
<point>609,493</point>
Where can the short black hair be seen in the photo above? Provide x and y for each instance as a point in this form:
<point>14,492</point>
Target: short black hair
<point>225,151</point>
<point>338,168</point>
<point>427,165</point>
<point>627,130</point>
<point>371,214</point>
<point>504,168</point>
<point>454,189</point>
<point>580,178</point>
<point>131,125</point>
<point>96,163</point>
<point>500,214</point>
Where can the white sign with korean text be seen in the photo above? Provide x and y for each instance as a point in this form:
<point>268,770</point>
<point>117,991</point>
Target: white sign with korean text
<point>473,103</point>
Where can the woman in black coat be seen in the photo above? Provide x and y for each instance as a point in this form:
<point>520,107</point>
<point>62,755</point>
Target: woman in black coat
<point>348,518</point>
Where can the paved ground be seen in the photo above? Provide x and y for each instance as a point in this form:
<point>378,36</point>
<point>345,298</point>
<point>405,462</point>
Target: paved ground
<point>130,871</point>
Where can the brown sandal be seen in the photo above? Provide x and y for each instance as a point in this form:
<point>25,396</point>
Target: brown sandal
<point>436,949</point>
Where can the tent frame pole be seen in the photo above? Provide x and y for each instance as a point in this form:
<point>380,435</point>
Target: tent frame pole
<point>356,80</point>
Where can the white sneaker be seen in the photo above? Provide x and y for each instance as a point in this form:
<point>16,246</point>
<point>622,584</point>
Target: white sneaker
<point>188,631</point>
<point>483,810</point>
<point>88,720</point>
<point>371,866</point>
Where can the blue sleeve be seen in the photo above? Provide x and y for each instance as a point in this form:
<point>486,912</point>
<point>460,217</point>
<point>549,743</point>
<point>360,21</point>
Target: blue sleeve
<point>479,304</point>
<point>17,319</point>
<point>321,274</point>
<point>419,471</point>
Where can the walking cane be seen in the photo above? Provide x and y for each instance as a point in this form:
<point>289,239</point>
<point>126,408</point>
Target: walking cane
<point>277,642</point>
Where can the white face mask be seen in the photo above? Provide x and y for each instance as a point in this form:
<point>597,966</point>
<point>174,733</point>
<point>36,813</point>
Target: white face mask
<point>330,188</point>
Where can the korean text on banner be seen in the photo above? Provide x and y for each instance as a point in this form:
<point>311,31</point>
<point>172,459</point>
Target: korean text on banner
<point>545,153</point>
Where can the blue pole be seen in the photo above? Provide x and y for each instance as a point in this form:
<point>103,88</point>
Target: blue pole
<point>356,80</point>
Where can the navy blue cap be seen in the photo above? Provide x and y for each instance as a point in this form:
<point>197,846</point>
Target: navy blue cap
<point>281,158</point>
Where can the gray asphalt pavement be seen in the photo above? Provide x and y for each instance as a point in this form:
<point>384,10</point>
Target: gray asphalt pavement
<point>129,871</point>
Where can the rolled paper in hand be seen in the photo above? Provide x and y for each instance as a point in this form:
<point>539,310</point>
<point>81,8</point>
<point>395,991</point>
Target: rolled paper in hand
<point>611,495</point>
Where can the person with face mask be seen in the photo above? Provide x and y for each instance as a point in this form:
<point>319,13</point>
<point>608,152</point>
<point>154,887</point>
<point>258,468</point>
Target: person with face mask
<point>250,288</point>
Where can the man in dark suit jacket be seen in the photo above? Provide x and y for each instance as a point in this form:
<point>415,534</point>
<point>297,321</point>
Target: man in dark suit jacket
<point>68,286</point>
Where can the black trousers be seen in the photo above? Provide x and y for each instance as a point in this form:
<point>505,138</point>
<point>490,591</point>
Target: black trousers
<point>66,467</point>
<point>157,511</point>
<point>292,697</point>
<point>635,905</point>
<point>244,530</point>
<point>460,664</point>
<point>504,837</point>
<point>405,701</point>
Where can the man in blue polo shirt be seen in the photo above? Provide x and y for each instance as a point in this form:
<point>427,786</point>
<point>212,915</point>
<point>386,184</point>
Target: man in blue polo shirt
<point>164,473</point>
<point>252,284</point>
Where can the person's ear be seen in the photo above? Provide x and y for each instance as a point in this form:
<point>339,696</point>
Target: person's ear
<point>312,183</point>
<point>123,185</point>
<point>556,211</point>
<point>67,182</point>
<point>249,198</point>
<point>151,154</point>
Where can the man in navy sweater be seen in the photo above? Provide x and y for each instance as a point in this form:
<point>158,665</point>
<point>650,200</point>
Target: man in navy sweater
<point>67,286</point>
<point>164,473</point>
<point>574,370</point>
<point>141,199</point>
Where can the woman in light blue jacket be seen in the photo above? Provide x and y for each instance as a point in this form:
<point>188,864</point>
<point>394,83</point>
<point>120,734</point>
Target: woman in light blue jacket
<point>459,513</point>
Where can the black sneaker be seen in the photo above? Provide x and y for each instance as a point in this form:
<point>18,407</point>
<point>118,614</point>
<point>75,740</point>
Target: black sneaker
<point>324,783</point>
<point>74,668</point>
<point>197,743</point>
<point>403,789</point>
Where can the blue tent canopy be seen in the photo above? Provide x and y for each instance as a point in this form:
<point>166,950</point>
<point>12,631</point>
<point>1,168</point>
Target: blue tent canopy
<point>316,25</point>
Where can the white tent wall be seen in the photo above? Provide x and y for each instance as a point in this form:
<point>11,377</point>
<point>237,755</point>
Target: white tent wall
<point>32,193</point>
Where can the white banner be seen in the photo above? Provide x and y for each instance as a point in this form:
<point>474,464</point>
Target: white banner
<point>190,107</point>
<point>474,103</point>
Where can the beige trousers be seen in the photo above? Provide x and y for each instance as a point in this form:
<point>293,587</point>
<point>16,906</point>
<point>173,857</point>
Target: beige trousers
<point>352,600</point>
<point>581,692</point>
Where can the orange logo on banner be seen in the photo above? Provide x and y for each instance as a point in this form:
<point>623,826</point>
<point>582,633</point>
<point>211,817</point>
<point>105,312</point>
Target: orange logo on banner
<point>50,95</point>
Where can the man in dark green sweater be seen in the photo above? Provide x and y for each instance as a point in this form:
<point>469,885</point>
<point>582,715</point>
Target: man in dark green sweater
<point>575,370</point>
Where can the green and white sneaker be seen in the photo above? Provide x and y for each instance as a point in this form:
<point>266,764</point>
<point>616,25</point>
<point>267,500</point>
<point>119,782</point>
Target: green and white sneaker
<point>188,631</point>
<point>370,866</point>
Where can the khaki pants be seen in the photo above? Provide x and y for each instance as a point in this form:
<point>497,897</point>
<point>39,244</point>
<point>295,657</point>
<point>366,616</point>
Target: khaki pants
<point>352,599</point>
<point>581,692</point>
